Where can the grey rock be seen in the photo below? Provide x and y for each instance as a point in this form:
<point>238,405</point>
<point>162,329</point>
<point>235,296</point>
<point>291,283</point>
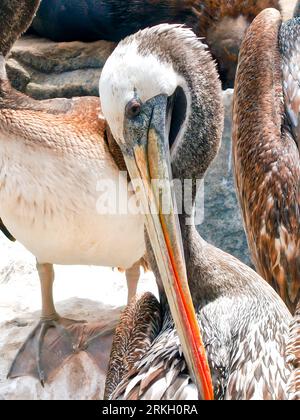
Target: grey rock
<point>44,69</point>
<point>297,9</point>
<point>18,74</point>
<point>222,225</point>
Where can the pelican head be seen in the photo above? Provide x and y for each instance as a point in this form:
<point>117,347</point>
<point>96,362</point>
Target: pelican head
<point>159,92</point>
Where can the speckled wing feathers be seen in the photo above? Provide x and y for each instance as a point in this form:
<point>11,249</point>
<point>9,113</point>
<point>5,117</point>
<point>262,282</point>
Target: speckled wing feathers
<point>293,353</point>
<point>161,373</point>
<point>289,42</point>
<point>214,10</point>
<point>258,370</point>
<point>266,159</point>
<point>138,327</point>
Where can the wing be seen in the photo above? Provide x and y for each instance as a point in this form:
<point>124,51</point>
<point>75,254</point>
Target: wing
<point>289,42</point>
<point>160,374</point>
<point>279,241</point>
<point>266,155</point>
<point>139,325</point>
<point>258,369</point>
<point>293,353</point>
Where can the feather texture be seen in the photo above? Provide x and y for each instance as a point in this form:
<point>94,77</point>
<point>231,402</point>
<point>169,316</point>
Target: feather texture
<point>6,232</point>
<point>293,353</point>
<point>19,14</point>
<point>267,162</point>
<point>245,330</point>
<point>139,325</point>
<point>289,43</point>
<point>68,137</point>
<point>244,323</point>
<point>266,155</point>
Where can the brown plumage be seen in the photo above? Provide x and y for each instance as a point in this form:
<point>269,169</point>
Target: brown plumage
<point>139,325</point>
<point>22,17</point>
<point>266,156</point>
<point>266,141</point>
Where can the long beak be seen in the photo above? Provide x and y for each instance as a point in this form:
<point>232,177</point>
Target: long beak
<point>149,166</point>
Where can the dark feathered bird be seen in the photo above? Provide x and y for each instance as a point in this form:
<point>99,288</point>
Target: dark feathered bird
<point>222,22</point>
<point>162,99</point>
<point>112,20</point>
<point>266,144</point>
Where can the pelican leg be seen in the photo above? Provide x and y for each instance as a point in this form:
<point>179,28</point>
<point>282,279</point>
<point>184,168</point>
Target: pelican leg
<point>52,341</point>
<point>132,277</point>
<point>55,339</point>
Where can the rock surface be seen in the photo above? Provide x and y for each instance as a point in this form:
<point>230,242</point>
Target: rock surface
<point>44,69</point>
<point>222,225</point>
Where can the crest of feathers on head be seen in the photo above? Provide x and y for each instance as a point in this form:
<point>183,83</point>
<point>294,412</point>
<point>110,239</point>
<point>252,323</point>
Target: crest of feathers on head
<point>155,39</point>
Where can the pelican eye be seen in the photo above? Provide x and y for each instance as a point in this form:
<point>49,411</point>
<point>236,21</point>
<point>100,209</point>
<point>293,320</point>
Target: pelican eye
<point>133,109</point>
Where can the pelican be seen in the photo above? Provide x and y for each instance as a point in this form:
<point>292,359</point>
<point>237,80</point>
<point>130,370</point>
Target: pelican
<point>266,142</point>
<point>222,23</point>
<point>162,99</point>
<point>54,157</point>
